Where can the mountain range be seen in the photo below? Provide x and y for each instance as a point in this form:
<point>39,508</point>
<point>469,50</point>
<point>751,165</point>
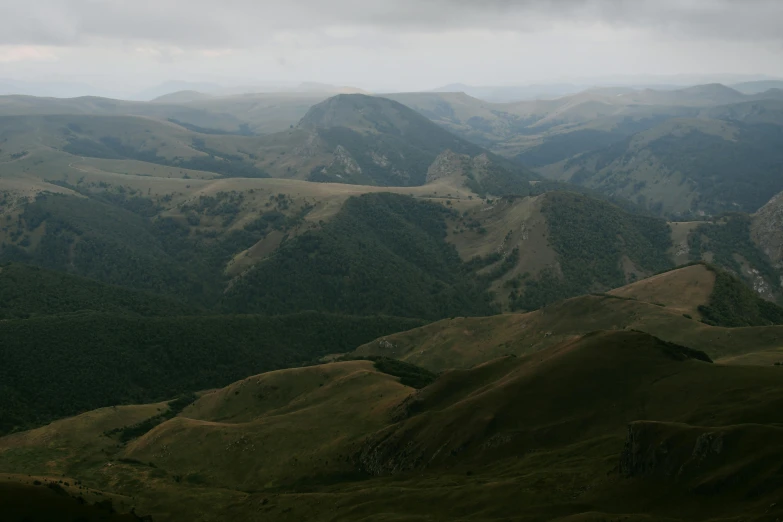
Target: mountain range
<point>336,306</point>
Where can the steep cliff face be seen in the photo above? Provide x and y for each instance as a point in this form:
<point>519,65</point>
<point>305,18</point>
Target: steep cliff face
<point>669,450</point>
<point>705,460</point>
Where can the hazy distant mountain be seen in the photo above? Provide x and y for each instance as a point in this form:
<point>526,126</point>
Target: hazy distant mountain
<point>758,87</point>
<point>182,97</point>
<point>325,87</point>
<point>501,94</point>
<point>727,158</point>
<point>286,88</point>
<point>157,91</point>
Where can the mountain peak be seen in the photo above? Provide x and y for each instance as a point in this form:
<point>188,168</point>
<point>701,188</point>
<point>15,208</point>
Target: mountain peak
<point>182,97</point>
<point>713,91</point>
<point>362,113</point>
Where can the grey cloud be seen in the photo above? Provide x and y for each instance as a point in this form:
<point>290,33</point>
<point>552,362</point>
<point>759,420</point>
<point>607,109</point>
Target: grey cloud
<point>240,23</point>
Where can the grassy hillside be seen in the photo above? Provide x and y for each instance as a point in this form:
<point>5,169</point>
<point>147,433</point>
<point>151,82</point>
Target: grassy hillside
<point>96,239</point>
<point>688,166</point>
<point>682,290</point>
<point>352,139</point>
<point>123,236</point>
<point>119,139</point>
<point>17,105</point>
<point>539,132</point>
<point>201,239</point>
<point>32,291</point>
<point>382,253</point>
<point>668,306</point>
<point>62,365</point>
<point>599,247</point>
<point>572,432</point>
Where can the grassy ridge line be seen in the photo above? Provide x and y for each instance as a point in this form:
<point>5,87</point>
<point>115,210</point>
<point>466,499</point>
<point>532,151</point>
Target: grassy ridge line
<point>58,366</point>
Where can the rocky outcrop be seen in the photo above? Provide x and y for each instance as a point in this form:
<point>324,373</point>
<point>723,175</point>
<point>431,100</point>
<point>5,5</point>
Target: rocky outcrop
<point>767,230</point>
<point>669,450</point>
<point>447,164</point>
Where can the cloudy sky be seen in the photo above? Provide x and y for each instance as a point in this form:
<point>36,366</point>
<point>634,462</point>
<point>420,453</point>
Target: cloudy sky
<point>125,45</point>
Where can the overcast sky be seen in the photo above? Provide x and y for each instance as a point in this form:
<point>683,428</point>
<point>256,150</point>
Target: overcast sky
<point>384,44</point>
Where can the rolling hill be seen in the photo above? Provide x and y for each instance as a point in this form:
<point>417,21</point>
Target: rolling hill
<point>537,131</point>
<point>757,87</point>
<point>182,97</point>
<point>246,243</point>
<point>701,150</point>
<point>676,152</point>
<point>583,430</point>
<point>176,223</point>
<point>94,106</point>
<point>285,307</point>
<point>687,167</point>
<point>354,138</point>
<point>675,306</point>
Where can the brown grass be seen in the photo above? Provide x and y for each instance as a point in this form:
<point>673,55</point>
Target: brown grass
<point>682,290</point>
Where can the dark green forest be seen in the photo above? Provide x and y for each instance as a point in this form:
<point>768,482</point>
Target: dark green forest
<point>715,164</point>
<point>563,146</point>
<point>102,241</point>
<point>30,291</point>
<point>733,304</point>
<point>116,239</point>
<point>741,174</point>
<point>591,237</point>
<point>727,237</point>
<point>63,365</point>
<point>382,253</point>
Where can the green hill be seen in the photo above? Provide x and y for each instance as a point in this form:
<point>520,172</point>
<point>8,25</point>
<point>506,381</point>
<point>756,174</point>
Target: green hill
<point>17,105</point>
<point>382,253</point>
<point>696,306</point>
<point>687,166</point>
<point>99,240</point>
<point>348,138</point>
<point>704,149</point>
<point>256,250</point>
<point>582,430</point>
<point>599,247</point>
<point>382,142</point>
